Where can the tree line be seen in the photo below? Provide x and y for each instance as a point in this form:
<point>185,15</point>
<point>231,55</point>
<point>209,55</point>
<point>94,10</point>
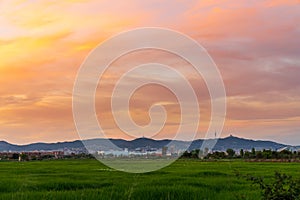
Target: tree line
<point>242,154</point>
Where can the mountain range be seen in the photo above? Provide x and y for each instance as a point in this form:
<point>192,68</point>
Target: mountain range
<point>222,144</point>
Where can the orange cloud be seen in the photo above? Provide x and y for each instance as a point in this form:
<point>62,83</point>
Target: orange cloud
<point>42,44</point>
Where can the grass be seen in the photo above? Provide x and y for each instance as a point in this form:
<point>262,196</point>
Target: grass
<point>89,179</point>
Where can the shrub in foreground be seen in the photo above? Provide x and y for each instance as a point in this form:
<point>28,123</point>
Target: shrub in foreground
<point>282,187</point>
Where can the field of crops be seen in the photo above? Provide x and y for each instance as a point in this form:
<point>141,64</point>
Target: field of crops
<point>89,179</point>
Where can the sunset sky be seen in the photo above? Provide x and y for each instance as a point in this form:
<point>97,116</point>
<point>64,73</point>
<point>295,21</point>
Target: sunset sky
<point>255,44</point>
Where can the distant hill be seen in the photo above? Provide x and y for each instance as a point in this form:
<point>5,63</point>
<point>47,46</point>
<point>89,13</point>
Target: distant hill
<point>5,146</point>
<point>100,144</point>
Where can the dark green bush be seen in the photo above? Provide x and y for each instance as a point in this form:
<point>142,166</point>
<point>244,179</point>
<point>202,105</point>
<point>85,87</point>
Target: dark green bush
<point>282,187</point>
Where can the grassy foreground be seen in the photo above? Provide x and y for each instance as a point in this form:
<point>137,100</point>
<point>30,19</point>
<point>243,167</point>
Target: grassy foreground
<point>89,179</point>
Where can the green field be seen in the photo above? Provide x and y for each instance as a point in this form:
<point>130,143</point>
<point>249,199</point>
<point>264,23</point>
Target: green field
<point>89,179</point>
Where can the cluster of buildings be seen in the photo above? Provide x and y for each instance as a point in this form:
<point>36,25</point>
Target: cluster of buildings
<point>58,154</point>
<point>141,152</point>
<point>40,154</point>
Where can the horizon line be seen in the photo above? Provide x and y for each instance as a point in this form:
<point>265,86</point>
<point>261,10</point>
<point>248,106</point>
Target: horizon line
<point>231,135</point>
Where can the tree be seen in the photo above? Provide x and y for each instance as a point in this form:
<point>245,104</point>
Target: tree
<point>242,153</point>
<point>253,152</point>
<point>15,156</point>
<point>206,151</point>
<point>259,155</point>
<point>195,153</point>
<point>247,154</point>
<point>216,155</point>
<point>201,154</point>
<point>230,152</point>
<point>186,154</point>
<point>23,156</point>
